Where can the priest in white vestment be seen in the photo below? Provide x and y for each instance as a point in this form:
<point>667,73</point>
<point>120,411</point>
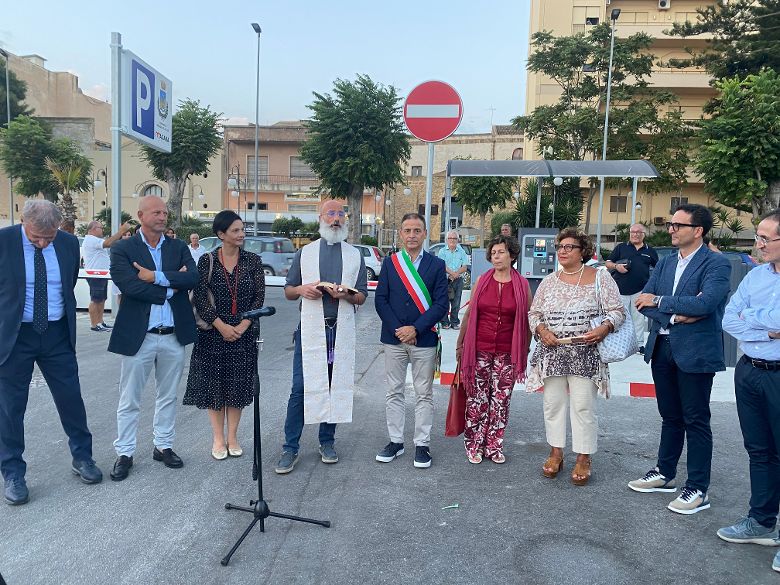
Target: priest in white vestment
<point>324,359</point>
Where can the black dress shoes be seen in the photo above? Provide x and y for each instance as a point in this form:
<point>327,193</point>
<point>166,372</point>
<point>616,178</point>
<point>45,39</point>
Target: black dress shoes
<point>121,468</point>
<point>16,492</point>
<point>168,457</point>
<point>87,471</point>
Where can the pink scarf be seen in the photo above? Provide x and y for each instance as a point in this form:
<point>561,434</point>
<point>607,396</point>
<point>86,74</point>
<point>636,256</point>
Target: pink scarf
<point>468,363</point>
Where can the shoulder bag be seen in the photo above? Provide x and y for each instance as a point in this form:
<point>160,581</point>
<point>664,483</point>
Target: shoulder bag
<point>199,322</point>
<point>619,344</point>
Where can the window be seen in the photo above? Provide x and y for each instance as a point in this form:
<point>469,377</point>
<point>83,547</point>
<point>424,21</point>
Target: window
<point>260,206</point>
<point>434,209</point>
<point>250,171</point>
<point>517,154</point>
<point>417,171</point>
<point>155,190</point>
<point>617,204</point>
<point>302,207</point>
<point>676,202</point>
<point>299,169</point>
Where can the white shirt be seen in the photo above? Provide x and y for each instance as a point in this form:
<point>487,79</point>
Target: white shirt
<point>682,264</point>
<point>196,252</point>
<point>94,254</point>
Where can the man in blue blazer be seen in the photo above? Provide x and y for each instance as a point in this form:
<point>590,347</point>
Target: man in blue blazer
<point>685,298</point>
<point>411,298</point>
<point>40,267</point>
<point>154,324</point>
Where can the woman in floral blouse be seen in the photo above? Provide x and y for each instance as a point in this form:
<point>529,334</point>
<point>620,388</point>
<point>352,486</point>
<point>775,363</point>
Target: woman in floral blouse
<point>565,364</point>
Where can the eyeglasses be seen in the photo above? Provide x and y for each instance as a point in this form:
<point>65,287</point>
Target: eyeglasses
<point>456,239</point>
<point>334,213</point>
<point>764,240</point>
<point>674,226</point>
<point>567,247</point>
<point>637,233</point>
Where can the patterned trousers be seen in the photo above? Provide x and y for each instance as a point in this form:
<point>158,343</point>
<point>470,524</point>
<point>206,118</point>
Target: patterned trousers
<point>487,404</point>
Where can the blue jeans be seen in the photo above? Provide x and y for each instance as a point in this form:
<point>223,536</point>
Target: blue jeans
<point>454,304</point>
<point>293,424</point>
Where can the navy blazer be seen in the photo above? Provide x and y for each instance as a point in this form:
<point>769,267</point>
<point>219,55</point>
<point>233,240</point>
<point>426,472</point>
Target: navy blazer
<point>12,285</point>
<point>397,309</point>
<point>132,320</point>
<point>702,292</point>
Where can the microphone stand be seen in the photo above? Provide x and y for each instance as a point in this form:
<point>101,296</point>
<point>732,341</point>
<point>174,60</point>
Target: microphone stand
<point>259,507</point>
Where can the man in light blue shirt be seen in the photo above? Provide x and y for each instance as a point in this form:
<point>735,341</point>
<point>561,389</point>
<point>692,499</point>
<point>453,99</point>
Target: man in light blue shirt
<point>753,318</point>
<point>457,263</point>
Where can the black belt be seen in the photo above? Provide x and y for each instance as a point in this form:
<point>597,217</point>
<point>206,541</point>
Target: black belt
<point>762,364</point>
<point>161,330</point>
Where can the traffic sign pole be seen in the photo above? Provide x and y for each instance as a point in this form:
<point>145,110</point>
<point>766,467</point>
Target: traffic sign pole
<point>116,131</point>
<point>428,196</point>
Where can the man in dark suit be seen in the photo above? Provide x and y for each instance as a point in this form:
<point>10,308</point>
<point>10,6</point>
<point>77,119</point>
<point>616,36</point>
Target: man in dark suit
<point>685,298</point>
<point>154,324</point>
<point>38,324</point>
<point>411,298</point>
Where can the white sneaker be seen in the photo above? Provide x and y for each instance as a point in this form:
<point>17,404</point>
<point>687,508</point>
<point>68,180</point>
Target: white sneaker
<point>690,501</point>
<point>652,481</point>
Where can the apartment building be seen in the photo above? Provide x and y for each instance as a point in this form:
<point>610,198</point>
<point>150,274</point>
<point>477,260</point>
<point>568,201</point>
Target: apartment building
<point>691,86</point>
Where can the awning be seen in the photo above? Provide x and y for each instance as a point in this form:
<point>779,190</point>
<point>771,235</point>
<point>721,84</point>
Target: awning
<point>551,168</point>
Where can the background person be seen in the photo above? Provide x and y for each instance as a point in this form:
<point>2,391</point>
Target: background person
<point>631,262</point>
<point>195,248</point>
<point>572,374</point>
<point>492,350</point>
<point>170,233</point>
<point>94,250</point>
<point>224,359</point>
<point>456,264</point>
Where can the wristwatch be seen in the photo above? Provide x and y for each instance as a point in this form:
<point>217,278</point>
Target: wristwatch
<point>656,300</point>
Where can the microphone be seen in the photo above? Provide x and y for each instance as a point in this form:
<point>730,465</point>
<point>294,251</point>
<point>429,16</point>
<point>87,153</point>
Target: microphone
<point>257,313</point>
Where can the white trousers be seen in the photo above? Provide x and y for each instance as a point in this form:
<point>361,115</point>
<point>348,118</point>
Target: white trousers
<point>423,361</point>
<point>578,395</point>
<point>640,321</point>
<point>166,354</point>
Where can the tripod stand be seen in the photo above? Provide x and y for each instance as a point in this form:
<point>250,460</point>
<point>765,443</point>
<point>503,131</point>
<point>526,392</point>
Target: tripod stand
<point>259,507</point>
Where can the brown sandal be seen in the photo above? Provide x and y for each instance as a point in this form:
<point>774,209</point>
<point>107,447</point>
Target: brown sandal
<point>581,473</point>
<point>552,467</point>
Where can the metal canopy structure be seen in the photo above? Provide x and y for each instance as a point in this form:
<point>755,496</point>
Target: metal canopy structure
<point>627,169</point>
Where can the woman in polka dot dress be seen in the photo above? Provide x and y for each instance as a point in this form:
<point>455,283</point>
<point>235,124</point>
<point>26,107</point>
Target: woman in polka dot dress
<point>224,359</point>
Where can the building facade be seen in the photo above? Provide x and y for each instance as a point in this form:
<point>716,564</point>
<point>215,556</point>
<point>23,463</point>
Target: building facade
<point>691,86</point>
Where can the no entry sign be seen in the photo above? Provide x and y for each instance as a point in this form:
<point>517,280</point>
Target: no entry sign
<point>433,111</point>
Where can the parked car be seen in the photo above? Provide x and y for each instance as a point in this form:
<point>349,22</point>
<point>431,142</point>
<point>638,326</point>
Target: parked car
<point>373,257</point>
<point>436,248</point>
<point>743,257</point>
<point>276,253</point>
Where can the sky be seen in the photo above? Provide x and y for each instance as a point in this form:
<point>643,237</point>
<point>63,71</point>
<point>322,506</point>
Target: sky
<point>209,50</point>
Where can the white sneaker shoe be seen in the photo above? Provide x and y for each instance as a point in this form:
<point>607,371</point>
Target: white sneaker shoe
<point>652,481</point>
<point>690,501</point>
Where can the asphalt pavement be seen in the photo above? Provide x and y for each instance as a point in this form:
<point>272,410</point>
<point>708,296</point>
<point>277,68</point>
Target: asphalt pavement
<point>391,523</point>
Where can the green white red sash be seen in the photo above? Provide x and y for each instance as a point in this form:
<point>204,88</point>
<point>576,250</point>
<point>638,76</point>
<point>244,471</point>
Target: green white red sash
<point>412,282</point>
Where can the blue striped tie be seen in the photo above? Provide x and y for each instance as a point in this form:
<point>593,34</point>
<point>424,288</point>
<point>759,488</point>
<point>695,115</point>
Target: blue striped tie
<point>41,294</point>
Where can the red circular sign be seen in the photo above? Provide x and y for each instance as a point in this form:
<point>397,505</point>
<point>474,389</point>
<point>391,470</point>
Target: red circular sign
<point>433,111</point>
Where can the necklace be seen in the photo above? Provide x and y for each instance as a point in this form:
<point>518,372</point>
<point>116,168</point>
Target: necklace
<point>582,268</point>
<point>234,289</point>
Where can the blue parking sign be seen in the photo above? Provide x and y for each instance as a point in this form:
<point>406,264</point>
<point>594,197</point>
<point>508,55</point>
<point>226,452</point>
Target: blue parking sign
<point>146,99</point>
<point>142,91</point>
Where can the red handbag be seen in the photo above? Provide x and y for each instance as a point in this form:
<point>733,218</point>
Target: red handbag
<point>456,410</point>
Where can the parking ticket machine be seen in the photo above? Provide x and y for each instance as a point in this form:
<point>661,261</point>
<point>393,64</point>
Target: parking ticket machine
<point>537,254</point>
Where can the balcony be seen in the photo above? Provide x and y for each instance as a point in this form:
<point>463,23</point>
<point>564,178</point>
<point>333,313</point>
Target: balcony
<point>281,183</point>
<point>676,79</point>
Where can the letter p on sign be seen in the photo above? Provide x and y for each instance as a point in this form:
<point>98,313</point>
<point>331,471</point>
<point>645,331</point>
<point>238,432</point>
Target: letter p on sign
<point>142,81</point>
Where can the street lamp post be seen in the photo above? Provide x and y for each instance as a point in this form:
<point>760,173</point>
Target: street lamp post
<point>234,184</point>
<point>257,30</point>
<point>8,125</point>
<point>557,182</point>
<point>613,17</point>
<point>97,182</point>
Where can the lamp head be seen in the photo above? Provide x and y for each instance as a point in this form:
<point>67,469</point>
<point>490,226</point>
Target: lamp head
<point>258,30</point>
<point>558,181</point>
<point>407,191</point>
<point>615,14</point>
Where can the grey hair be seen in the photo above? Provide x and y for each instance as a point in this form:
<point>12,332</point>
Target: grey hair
<point>93,224</point>
<point>454,232</point>
<point>42,214</point>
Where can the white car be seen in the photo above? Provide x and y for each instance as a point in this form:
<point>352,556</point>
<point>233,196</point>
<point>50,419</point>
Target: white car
<point>373,257</point>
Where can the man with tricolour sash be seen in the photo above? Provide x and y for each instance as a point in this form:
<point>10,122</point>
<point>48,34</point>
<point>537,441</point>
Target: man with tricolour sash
<point>329,276</point>
<point>411,298</point>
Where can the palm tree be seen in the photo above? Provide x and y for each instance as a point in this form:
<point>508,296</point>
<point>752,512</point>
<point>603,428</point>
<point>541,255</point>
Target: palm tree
<point>67,177</point>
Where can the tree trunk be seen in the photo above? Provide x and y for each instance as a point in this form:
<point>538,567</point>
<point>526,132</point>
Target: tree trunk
<point>482,229</point>
<point>67,207</point>
<point>175,197</point>
<point>591,195</point>
<point>355,202</point>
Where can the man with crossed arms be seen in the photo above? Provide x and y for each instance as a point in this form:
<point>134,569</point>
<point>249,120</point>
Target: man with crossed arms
<point>411,298</point>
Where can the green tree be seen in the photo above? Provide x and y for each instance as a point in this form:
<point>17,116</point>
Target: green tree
<point>24,148</point>
<point>481,195</point>
<point>743,37</point>
<point>739,152</point>
<point>500,218</point>
<point>104,217</point>
<point>69,177</point>
<point>356,141</point>
<point>18,92</point>
<point>567,205</point>
<point>195,139</point>
<point>286,227</point>
<point>573,126</point>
